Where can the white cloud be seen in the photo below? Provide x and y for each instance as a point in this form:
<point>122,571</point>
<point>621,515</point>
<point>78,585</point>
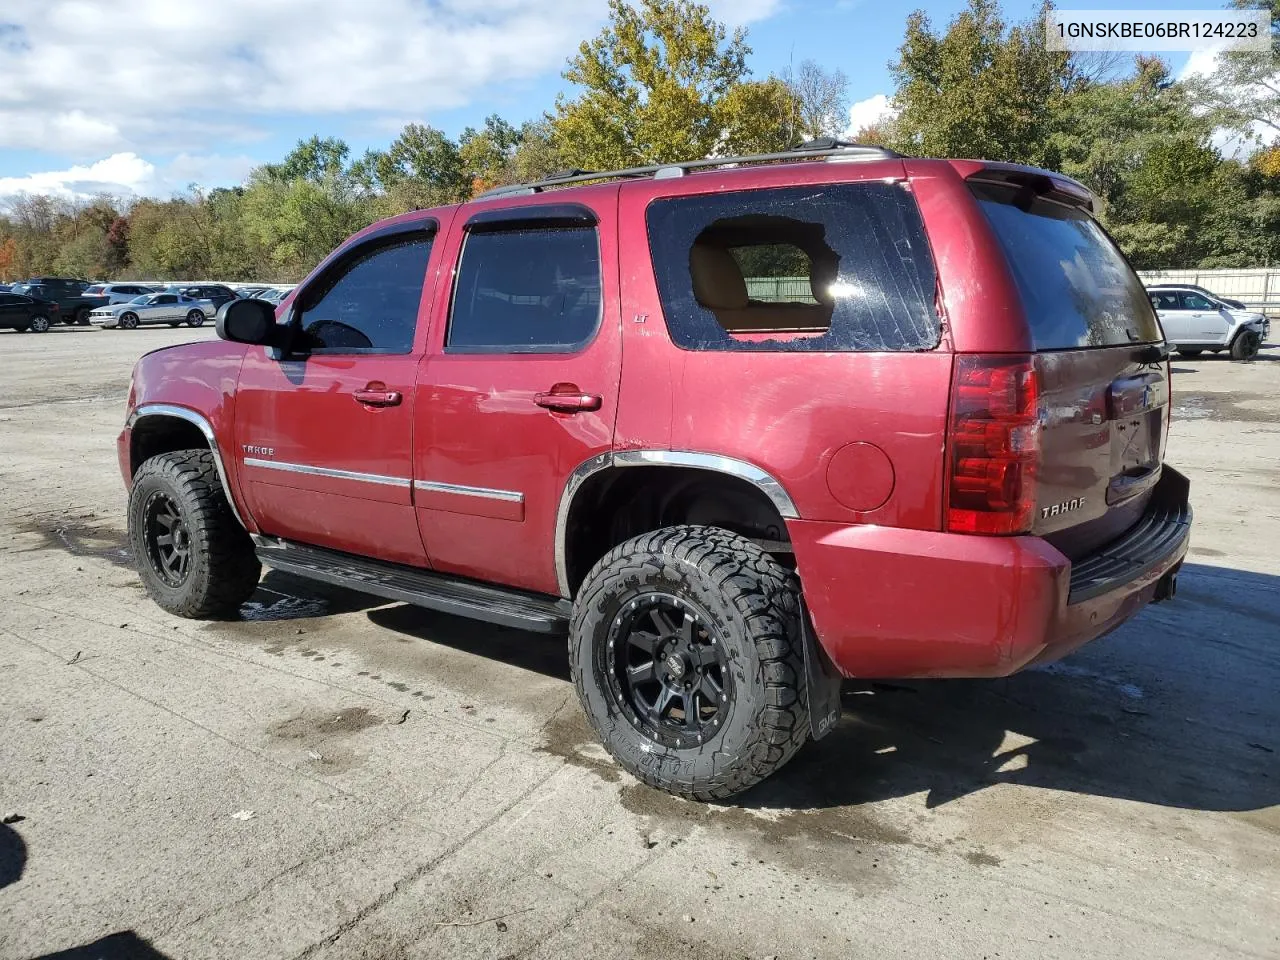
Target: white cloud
<point>156,76</point>
<point>129,175</point>
<point>869,112</point>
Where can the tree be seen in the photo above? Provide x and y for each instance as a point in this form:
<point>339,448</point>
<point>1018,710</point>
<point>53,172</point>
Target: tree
<point>660,83</point>
<point>978,90</point>
<point>8,258</point>
<point>1244,89</point>
<point>821,100</point>
<point>313,160</point>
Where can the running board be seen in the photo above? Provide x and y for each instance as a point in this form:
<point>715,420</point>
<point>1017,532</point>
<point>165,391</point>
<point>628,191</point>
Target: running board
<point>422,588</point>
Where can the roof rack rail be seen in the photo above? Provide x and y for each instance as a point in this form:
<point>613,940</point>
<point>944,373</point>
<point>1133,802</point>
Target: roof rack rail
<point>810,150</point>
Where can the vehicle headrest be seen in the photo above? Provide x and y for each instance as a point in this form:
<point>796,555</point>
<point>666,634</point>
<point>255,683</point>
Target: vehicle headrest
<point>717,282</point>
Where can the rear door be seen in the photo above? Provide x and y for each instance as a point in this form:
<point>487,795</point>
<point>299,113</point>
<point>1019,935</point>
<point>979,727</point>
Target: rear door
<point>1104,389</point>
<point>1169,309</point>
<point>520,387</point>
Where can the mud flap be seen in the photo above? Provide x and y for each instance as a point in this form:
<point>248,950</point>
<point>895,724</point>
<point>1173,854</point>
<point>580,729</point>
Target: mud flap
<point>822,682</point>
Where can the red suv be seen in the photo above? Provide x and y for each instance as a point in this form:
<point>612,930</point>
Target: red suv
<point>741,426</point>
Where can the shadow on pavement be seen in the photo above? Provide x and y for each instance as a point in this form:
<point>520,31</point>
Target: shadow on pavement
<point>1177,708</point>
<point>13,855</point>
<point>125,945</point>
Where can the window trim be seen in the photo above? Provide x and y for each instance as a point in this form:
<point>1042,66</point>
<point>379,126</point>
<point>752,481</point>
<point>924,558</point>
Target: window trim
<point>554,221</point>
<point>340,260</point>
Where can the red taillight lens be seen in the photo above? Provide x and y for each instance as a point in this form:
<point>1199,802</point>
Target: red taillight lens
<point>993,445</point>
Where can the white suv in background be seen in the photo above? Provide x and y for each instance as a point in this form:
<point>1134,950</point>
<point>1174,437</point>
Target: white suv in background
<point>1195,320</point>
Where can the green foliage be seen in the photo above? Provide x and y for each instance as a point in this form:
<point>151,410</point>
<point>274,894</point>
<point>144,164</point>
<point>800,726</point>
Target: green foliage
<point>1243,92</point>
<point>664,82</point>
<point>979,89</point>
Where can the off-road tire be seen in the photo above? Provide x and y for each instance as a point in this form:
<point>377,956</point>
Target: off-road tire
<point>1190,351</point>
<point>1245,346</point>
<point>224,569</point>
<point>38,324</point>
<point>753,605</point>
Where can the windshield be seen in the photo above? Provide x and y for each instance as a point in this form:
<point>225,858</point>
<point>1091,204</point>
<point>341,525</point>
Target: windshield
<point>1076,287</point>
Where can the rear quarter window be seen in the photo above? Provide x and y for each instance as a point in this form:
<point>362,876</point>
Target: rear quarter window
<point>834,267</point>
<point>1077,289</point>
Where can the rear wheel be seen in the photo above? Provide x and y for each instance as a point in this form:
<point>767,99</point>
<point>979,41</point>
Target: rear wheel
<point>38,324</point>
<point>1190,351</point>
<point>685,651</point>
<point>1245,346</point>
<point>129,321</point>
<point>82,316</point>
<point>192,554</point>
<point>195,318</point>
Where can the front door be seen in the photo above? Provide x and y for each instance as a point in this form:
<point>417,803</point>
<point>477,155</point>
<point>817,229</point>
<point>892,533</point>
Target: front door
<point>324,435</point>
<point>1205,320</point>
<point>521,386</point>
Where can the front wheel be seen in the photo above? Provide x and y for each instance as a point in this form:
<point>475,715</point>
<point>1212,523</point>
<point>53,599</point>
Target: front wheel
<point>685,649</point>
<point>1245,346</point>
<point>129,321</point>
<point>38,324</point>
<point>195,318</point>
<point>193,556</point>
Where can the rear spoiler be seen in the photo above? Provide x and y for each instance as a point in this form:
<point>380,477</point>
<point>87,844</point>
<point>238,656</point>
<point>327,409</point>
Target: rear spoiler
<point>1044,183</point>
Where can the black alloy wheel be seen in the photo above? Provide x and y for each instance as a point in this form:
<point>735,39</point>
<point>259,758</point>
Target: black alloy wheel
<point>167,539</point>
<point>667,670</point>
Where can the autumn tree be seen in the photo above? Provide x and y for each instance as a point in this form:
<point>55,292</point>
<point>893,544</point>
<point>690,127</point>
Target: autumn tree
<point>664,82</point>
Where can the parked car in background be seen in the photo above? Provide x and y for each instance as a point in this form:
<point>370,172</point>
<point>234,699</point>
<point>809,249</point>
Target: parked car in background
<point>170,308</point>
<point>1225,301</point>
<point>68,293</point>
<point>119,292</point>
<point>273,296</point>
<point>23,313</point>
<point>251,292</point>
<point>1196,321</point>
<point>215,293</point>
<point>5,287</point>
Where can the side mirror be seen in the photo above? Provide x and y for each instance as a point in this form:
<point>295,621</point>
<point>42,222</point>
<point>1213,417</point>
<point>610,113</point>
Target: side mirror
<point>248,321</point>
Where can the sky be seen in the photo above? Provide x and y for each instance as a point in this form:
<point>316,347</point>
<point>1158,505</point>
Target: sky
<point>143,97</point>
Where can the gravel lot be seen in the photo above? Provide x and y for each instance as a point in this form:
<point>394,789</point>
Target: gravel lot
<point>338,777</point>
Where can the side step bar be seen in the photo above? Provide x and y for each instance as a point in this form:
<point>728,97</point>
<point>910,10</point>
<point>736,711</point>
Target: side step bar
<point>467,598</point>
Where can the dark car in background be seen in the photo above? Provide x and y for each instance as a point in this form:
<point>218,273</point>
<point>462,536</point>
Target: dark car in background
<point>74,304</point>
<point>23,313</point>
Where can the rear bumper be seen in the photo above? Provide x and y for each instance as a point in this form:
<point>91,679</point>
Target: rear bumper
<point>916,603</point>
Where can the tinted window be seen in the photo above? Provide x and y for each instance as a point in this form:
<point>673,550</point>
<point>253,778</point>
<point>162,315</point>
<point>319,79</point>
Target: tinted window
<point>1076,287</point>
<point>369,302</point>
<point>526,290</point>
<point>836,267</point>
<point>165,298</point>
<point>1164,301</point>
<point>1193,301</point>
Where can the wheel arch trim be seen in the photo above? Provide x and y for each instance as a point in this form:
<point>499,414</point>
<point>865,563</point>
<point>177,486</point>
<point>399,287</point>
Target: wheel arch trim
<point>761,479</point>
<point>205,427</point>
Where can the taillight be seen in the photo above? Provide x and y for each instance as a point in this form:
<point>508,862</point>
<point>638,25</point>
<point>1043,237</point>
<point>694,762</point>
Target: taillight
<point>993,445</point>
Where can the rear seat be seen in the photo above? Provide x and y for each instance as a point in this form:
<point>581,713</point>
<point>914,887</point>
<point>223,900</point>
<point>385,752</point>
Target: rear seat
<point>719,286</point>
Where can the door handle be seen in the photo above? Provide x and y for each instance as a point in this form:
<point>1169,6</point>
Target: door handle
<point>567,398</point>
<point>377,395</point>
